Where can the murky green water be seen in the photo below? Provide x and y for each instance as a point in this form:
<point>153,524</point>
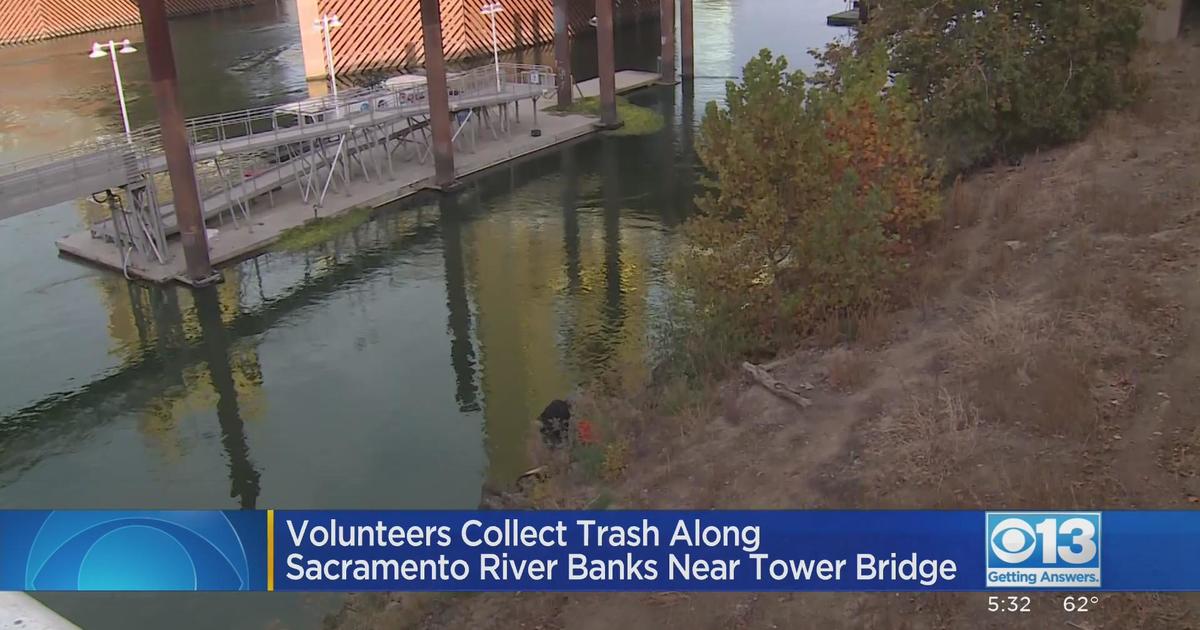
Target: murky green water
<point>399,366</point>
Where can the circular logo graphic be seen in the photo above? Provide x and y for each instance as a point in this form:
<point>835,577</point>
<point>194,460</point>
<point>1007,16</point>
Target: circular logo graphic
<point>1013,540</point>
<point>130,551</point>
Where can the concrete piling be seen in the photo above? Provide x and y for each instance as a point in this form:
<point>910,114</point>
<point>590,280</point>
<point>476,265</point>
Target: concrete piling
<point>667,54</point>
<point>439,96</point>
<point>562,52</point>
<point>164,84</point>
<point>607,64</point>
<point>687,63</point>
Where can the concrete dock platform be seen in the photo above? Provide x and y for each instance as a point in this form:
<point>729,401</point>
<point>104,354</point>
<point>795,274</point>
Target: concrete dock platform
<point>284,209</point>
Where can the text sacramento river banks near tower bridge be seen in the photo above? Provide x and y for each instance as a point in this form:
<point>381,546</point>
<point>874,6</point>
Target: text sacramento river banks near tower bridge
<point>503,552</point>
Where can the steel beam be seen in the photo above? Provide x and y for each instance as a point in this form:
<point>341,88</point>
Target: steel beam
<point>439,97</point>
<point>687,63</point>
<point>607,63</point>
<point>174,140</point>
<point>562,53</point>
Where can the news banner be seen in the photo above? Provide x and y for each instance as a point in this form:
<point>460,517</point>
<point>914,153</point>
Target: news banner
<point>599,551</point>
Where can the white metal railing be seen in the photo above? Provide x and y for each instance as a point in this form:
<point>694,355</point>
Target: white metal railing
<point>112,156</point>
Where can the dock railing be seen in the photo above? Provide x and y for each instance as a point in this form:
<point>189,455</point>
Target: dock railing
<point>108,156</point>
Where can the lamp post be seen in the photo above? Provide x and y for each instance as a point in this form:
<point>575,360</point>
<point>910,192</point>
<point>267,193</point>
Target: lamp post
<point>99,52</point>
<point>324,25</point>
<point>491,9</point>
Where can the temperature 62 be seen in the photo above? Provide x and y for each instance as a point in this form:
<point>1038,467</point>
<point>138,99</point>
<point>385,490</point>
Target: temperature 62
<point>1079,603</point>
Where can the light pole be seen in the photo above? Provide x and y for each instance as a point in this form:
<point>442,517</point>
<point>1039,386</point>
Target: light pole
<point>324,25</point>
<point>491,9</point>
<point>98,52</point>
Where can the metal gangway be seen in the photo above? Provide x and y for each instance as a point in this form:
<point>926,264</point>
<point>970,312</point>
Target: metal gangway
<point>316,145</point>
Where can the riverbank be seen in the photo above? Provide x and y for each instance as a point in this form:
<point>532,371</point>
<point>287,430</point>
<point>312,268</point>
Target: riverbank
<point>1046,356</point>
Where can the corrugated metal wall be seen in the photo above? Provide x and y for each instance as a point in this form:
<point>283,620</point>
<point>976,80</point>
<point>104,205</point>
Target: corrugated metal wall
<point>29,20</point>
<point>387,33</point>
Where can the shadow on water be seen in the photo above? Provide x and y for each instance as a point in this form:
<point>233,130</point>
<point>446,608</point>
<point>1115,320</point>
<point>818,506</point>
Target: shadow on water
<point>458,306</point>
<point>243,476</point>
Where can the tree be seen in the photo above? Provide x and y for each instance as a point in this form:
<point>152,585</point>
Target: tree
<point>1001,77</point>
<point>811,189</point>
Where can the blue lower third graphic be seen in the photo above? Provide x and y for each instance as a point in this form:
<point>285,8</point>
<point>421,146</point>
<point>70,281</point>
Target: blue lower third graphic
<point>693,551</point>
<point>132,551</point>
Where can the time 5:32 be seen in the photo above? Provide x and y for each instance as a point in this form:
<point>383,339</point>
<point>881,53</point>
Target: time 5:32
<point>1008,603</point>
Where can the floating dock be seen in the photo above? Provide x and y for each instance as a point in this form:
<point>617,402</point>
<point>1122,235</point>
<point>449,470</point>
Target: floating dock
<point>251,226</point>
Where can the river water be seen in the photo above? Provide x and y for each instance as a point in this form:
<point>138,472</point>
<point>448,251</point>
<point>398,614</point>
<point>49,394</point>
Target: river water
<point>399,366</point>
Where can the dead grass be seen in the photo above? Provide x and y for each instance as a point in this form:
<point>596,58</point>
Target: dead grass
<point>962,204</point>
<point>1117,611</point>
<point>990,274</point>
<point>848,369</point>
<point>867,326</point>
<point>928,439</point>
<point>1182,456</point>
<point>1120,209</point>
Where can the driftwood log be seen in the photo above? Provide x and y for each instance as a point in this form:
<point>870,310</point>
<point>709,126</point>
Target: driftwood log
<point>763,377</point>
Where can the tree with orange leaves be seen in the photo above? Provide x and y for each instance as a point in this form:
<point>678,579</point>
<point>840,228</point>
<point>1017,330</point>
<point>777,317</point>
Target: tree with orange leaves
<point>813,185</point>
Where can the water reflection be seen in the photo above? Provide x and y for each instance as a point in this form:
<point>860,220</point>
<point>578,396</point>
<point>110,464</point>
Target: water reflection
<point>243,476</point>
<point>614,311</point>
<point>458,305</point>
<point>570,196</point>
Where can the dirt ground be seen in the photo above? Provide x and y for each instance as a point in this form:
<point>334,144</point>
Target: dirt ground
<point>1049,357</point>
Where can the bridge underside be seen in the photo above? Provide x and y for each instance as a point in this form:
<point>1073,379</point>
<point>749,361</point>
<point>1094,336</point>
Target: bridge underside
<point>365,43</point>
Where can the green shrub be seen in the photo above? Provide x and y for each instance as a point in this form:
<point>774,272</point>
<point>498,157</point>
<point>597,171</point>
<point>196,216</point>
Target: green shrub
<point>813,191</point>
<point>636,120</point>
<point>320,230</point>
<point>1000,78</point>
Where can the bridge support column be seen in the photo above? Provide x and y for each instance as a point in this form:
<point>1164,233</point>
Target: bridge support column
<point>687,63</point>
<point>607,63</point>
<point>439,96</point>
<point>562,53</point>
<point>312,46</point>
<point>164,83</point>
<point>667,28</point>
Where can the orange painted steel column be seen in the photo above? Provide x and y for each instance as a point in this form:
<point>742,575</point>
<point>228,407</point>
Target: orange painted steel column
<point>439,96</point>
<point>164,83</point>
<point>312,47</point>
<point>607,63</point>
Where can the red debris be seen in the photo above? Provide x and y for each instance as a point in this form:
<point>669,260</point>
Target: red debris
<point>586,435</point>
